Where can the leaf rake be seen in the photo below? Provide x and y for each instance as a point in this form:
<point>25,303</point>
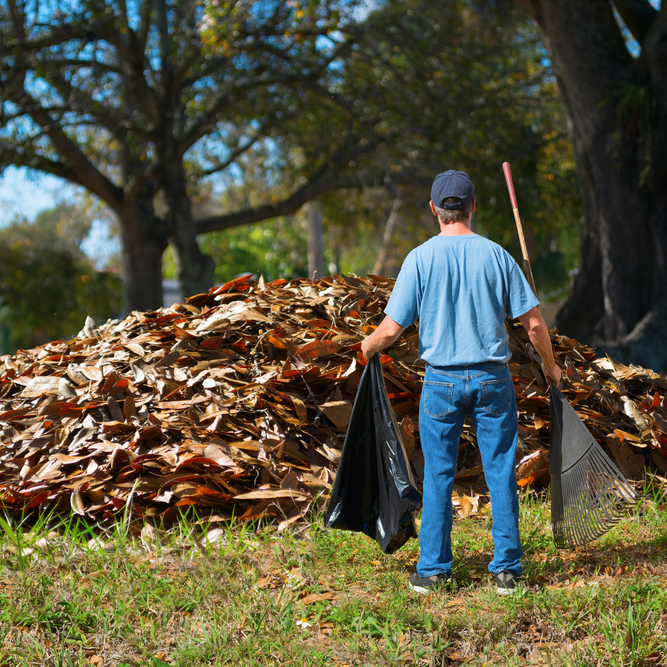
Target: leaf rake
<point>589,495</point>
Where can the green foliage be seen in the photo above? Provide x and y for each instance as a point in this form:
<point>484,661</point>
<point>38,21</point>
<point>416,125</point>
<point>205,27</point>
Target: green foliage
<point>47,285</point>
<point>470,92</point>
<point>428,87</point>
<point>275,249</point>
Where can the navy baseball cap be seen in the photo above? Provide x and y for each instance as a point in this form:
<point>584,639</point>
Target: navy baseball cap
<point>452,183</point>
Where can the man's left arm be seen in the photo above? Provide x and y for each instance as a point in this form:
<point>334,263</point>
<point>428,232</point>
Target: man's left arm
<point>387,332</point>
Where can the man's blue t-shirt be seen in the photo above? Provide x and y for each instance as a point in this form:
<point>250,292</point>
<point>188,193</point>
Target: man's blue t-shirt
<point>461,288</point>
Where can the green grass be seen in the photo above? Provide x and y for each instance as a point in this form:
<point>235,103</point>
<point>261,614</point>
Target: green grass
<point>207,594</point>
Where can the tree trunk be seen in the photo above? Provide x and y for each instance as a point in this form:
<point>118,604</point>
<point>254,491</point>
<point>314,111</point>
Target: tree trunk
<point>381,262</point>
<point>144,243</point>
<point>315,240</point>
<point>195,270</point>
<point>624,248</point>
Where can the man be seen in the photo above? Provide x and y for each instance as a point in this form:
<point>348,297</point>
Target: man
<point>461,286</point>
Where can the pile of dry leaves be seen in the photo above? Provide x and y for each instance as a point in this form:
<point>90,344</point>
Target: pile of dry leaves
<point>237,401</point>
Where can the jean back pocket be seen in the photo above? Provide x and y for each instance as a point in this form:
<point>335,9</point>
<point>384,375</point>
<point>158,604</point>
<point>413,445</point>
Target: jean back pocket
<point>437,397</point>
<point>497,395</point>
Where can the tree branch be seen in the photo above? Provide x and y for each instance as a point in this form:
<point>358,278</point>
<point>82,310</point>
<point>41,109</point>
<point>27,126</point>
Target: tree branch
<point>236,153</point>
<point>316,185</point>
<point>55,37</point>
<point>207,120</point>
<point>105,115</point>
<point>40,163</point>
<point>86,173</point>
<point>90,64</point>
<point>130,49</point>
<point>638,15</point>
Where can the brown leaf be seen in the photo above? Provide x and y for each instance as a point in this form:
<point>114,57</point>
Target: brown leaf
<point>76,502</point>
<point>530,466</point>
<point>338,412</point>
<point>300,407</point>
<point>43,385</point>
<point>92,373</point>
<point>129,408</point>
<point>317,349</point>
<point>317,597</point>
<point>544,629</point>
<point>659,461</point>
<point>114,409</point>
<point>290,481</point>
<point>265,494</point>
<point>58,409</point>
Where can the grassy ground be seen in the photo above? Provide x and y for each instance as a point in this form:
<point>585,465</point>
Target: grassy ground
<point>206,595</point>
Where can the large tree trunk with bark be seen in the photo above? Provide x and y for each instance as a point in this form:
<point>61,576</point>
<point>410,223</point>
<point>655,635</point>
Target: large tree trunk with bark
<point>144,242</point>
<point>616,109</point>
<point>195,270</point>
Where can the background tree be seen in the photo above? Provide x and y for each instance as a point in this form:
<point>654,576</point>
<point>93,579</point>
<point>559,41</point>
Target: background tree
<point>472,90</point>
<point>131,100</point>
<point>442,86</point>
<point>615,97</point>
<point>140,104</point>
<point>47,285</point>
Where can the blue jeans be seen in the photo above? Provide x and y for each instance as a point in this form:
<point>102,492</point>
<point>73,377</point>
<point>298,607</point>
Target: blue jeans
<point>484,392</point>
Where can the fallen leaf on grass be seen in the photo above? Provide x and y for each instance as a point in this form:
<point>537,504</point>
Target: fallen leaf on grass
<point>455,603</point>
<point>159,662</point>
<point>544,629</point>
<point>25,551</point>
<point>317,597</point>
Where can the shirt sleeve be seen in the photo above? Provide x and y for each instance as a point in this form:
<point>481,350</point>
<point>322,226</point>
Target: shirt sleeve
<point>521,298</point>
<point>404,302</point>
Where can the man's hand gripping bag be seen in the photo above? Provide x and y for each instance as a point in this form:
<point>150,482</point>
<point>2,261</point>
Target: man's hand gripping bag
<point>374,491</point>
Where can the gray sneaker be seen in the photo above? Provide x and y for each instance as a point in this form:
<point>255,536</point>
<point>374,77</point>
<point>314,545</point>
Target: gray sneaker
<point>506,582</point>
<point>427,585</point>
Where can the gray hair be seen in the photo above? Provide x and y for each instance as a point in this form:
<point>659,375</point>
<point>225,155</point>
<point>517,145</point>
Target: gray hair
<point>457,215</point>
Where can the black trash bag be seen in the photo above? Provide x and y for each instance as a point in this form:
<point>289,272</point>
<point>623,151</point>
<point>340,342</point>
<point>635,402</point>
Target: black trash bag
<point>374,491</point>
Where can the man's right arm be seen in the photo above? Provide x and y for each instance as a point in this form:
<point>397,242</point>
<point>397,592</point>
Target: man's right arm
<point>539,336</point>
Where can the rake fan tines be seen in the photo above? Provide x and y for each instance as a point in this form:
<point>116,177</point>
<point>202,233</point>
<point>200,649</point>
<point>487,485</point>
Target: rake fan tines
<point>589,495</point>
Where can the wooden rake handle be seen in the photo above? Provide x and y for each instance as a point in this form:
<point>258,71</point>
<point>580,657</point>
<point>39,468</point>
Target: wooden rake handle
<point>519,228</point>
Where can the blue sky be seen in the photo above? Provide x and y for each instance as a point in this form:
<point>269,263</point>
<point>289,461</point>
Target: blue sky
<point>26,193</point>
